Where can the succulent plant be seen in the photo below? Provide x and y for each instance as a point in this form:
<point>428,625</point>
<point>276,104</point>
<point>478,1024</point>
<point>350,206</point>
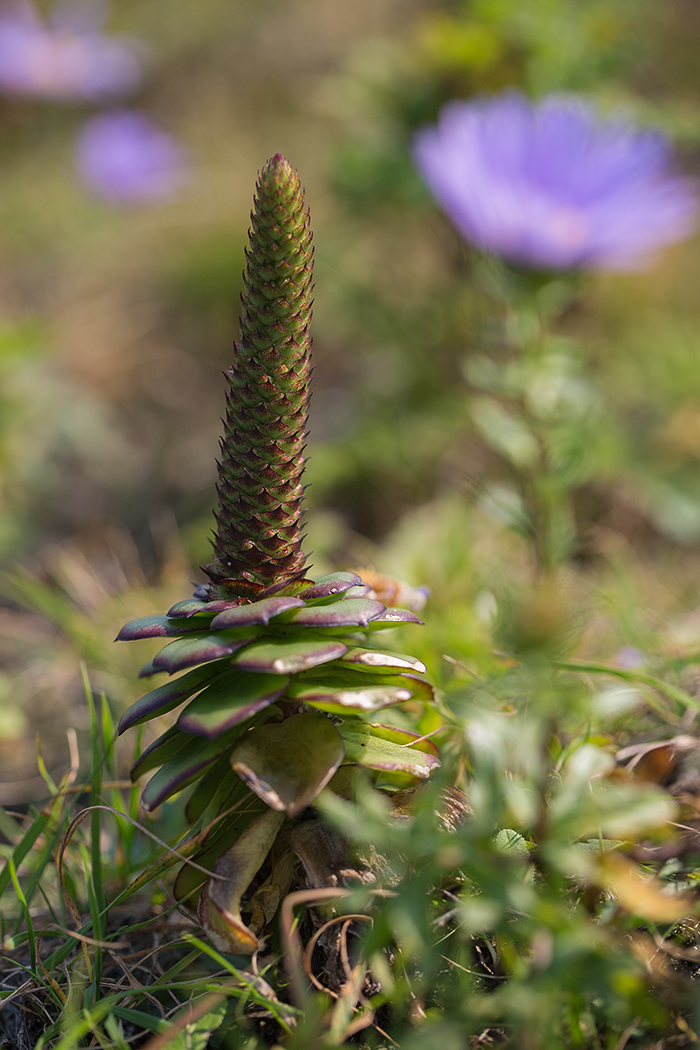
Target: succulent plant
<point>281,677</point>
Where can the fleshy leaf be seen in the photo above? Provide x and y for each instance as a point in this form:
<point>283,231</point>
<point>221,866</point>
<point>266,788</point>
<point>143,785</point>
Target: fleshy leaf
<point>288,657</point>
<point>388,748</point>
<point>339,690</point>
<point>157,627</point>
<point>163,699</point>
<point>217,778</point>
<point>287,763</point>
<point>361,590</point>
<point>333,583</point>
<point>376,661</point>
<point>255,612</point>
<point>392,618</point>
<point>188,608</point>
<point>217,840</point>
<point>162,748</point>
<point>220,903</point>
<point>230,700</point>
<point>355,612</point>
<point>185,652</point>
<point>190,761</point>
<point>148,669</point>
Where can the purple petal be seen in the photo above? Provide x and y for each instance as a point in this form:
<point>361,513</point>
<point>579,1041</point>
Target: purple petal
<point>68,59</point>
<point>553,186</point>
<point>124,157</point>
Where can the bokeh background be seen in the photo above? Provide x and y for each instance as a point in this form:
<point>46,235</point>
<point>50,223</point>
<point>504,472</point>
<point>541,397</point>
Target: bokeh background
<point>118,313</point>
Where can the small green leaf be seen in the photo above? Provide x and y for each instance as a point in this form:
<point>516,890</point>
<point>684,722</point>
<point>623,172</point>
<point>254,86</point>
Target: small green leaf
<point>195,1036</point>
<point>386,748</point>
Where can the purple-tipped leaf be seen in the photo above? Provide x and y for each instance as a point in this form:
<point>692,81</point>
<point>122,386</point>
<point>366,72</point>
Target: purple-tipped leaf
<point>162,749</point>
<point>158,627</point>
<point>287,763</point>
<point>196,755</point>
<point>339,689</point>
<point>186,652</point>
<point>217,840</point>
<point>333,583</point>
<point>163,699</point>
<point>355,612</point>
<point>219,906</point>
<point>192,606</point>
<point>215,787</point>
<point>230,700</point>
<point>360,591</point>
<point>255,612</point>
<point>288,657</point>
<point>148,669</point>
<point>188,607</point>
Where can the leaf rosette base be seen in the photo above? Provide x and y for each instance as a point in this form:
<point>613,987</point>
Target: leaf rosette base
<point>277,697</point>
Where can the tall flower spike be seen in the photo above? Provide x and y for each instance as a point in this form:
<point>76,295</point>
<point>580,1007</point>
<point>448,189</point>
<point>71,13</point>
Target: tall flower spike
<point>281,673</point>
<point>258,540</point>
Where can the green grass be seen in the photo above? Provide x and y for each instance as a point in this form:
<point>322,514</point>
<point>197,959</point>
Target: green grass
<point>560,907</point>
<point>92,950</point>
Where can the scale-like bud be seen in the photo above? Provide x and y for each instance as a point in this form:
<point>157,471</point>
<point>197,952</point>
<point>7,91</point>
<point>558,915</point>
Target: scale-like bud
<point>258,538</point>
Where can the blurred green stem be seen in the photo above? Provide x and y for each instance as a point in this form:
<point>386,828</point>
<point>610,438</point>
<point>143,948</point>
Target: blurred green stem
<point>543,485</point>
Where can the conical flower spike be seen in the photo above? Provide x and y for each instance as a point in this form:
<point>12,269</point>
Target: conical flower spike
<point>280,674</point>
<point>258,539</point>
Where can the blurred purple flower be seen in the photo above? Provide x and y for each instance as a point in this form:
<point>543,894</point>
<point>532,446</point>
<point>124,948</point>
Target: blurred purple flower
<point>67,57</point>
<point>629,657</point>
<point>550,185</point>
<point>125,157</point>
